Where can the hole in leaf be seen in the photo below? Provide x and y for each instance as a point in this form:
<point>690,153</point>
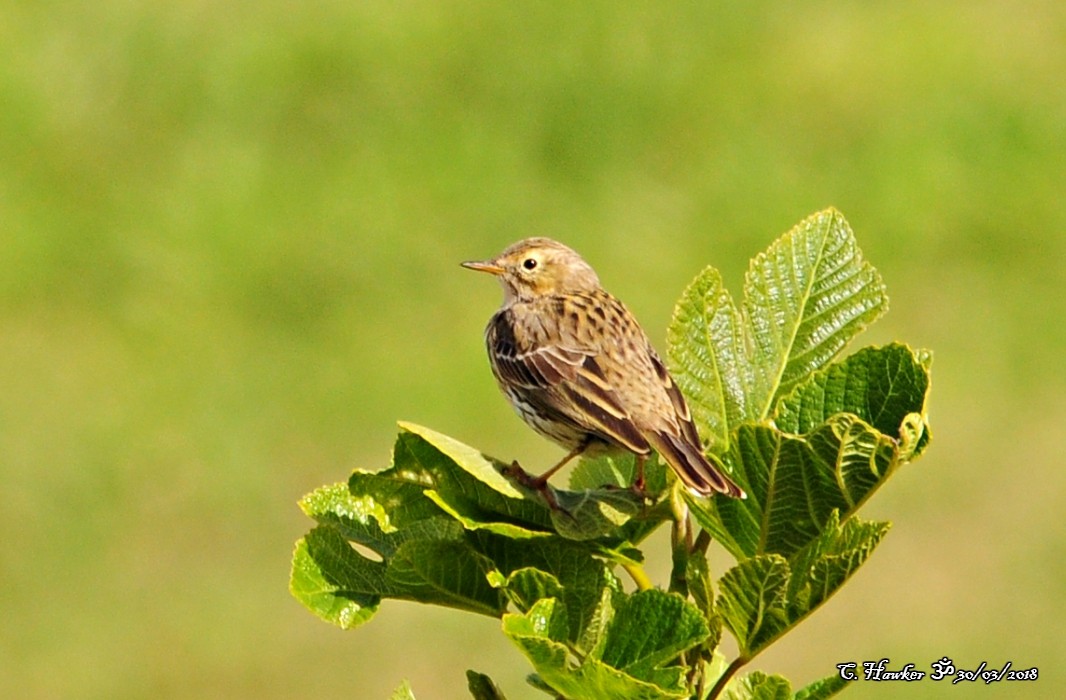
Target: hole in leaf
<point>367,552</point>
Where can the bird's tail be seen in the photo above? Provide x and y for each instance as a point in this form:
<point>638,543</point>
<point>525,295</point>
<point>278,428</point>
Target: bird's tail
<point>697,472</point>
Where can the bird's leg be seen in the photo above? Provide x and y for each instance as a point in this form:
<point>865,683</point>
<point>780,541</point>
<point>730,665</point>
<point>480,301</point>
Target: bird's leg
<point>542,480</point>
<point>638,479</point>
<point>540,483</point>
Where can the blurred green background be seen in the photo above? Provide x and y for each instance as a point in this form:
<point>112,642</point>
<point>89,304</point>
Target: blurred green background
<point>230,235</point>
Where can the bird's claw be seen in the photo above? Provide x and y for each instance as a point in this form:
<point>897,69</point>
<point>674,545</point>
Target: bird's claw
<point>639,489</point>
<point>538,484</point>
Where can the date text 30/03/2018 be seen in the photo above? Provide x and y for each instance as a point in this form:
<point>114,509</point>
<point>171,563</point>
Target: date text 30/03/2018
<point>942,669</point>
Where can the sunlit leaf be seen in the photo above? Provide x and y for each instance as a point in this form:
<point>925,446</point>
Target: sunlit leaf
<point>310,585</point>
<point>525,587</point>
<point>465,479</point>
<point>881,385</point>
<point>709,352</point>
<point>804,298</point>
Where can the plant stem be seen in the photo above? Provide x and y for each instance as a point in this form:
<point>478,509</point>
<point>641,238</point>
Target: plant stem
<point>726,675</point>
<point>681,541</point>
<point>636,572</point>
<point>702,543</point>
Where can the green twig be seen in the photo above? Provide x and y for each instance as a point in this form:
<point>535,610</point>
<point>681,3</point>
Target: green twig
<point>729,672</point>
<point>702,543</point>
<point>680,540</point>
<point>636,572</point>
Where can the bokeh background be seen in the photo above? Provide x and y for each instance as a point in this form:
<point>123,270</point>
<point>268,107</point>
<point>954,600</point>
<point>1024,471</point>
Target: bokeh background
<point>229,243</point>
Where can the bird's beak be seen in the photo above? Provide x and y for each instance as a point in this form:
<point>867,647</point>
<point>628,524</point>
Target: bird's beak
<point>483,266</point>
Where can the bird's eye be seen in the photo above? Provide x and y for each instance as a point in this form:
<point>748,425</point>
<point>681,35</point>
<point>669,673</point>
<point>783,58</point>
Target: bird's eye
<point>529,263</point>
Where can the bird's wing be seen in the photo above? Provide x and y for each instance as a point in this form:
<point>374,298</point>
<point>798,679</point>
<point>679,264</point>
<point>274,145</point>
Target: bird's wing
<point>682,448</point>
<point>702,474</point>
<point>565,379</point>
<point>521,364</point>
<point>681,411</point>
<point>600,407</point>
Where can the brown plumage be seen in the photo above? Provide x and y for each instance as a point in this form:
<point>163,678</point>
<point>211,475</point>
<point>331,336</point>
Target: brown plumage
<point>578,368</point>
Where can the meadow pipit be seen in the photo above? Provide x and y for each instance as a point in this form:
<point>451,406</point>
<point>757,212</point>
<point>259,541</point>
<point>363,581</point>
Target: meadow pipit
<point>579,369</point>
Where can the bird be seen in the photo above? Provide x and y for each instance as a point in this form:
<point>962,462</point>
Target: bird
<point>578,368</point>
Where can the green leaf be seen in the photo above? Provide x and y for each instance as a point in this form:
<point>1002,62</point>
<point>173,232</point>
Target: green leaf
<point>795,482</point>
<point>599,503</point>
<point>464,479</point>
<point>847,428</point>
<point>484,469</point>
<point>540,635</point>
<point>525,587</point>
<point>701,588</point>
<point>883,386</point>
<point>759,686</point>
<point>403,692</point>
<point>469,518</point>
<point>444,573</point>
<point>310,585</point>
<point>713,668</point>
<point>763,597</point>
<point>408,526</point>
<point>594,635</point>
<point>472,488</point>
<point>358,510</point>
<point>822,689</point>
<point>439,569</point>
<point>709,354</point>
<point>753,603</point>
<point>645,631</point>
<point>804,298</point>
<point>583,577</point>
<point>589,515</point>
<point>482,688</point>
<point>412,551</point>
<point>824,565</point>
<point>650,629</point>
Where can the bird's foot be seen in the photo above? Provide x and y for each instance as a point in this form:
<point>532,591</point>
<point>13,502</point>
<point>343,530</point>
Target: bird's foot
<point>538,484</point>
<point>639,488</point>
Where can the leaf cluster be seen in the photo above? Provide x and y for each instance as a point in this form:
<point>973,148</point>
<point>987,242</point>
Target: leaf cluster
<point>810,436</point>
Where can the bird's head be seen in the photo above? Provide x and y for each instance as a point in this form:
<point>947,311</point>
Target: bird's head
<point>537,267</point>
